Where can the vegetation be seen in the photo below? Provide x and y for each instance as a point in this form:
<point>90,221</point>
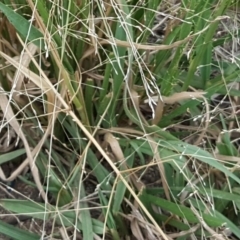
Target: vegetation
<point>122,138</point>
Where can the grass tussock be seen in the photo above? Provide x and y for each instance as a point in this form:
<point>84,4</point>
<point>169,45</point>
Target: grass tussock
<point>119,119</point>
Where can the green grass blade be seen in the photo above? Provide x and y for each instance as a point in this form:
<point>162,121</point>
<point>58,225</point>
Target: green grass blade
<point>38,211</point>
<point>17,233</point>
<point>121,188</point>
<point>198,153</point>
<point>11,155</point>
<point>199,58</point>
<point>85,217</point>
<point>25,29</point>
<point>89,96</point>
<point>181,211</point>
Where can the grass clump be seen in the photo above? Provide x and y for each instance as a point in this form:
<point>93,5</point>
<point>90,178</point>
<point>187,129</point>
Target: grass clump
<point>121,117</point>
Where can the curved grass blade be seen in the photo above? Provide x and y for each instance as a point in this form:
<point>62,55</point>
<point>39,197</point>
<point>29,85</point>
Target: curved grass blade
<point>180,211</point>
<point>197,153</point>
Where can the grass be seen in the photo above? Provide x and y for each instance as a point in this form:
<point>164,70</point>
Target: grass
<point>121,138</point>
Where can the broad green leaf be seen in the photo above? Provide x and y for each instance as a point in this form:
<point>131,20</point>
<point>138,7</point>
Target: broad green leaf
<point>181,211</point>
<point>16,233</point>
<point>11,155</point>
<point>213,193</point>
<point>40,211</point>
<point>200,154</point>
<point>23,26</point>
